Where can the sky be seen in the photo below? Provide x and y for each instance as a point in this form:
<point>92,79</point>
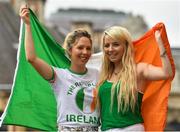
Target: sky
<point>153,11</point>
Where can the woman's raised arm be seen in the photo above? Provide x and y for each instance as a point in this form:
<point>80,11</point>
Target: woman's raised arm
<point>40,65</point>
<point>151,72</point>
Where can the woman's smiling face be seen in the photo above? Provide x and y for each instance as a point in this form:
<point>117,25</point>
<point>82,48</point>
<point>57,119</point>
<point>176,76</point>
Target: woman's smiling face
<point>113,49</point>
<point>81,51</point>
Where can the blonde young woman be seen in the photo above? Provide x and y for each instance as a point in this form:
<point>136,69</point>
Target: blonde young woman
<point>74,88</point>
<point>122,81</point>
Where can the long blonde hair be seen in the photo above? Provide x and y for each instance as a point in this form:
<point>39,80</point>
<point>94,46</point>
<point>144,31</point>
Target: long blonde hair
<point>126,84</point>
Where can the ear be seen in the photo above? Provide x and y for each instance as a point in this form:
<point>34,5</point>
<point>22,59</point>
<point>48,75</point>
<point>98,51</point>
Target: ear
<point>70,51</point>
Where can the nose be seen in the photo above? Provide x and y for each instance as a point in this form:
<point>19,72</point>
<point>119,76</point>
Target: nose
<point>85,51</point>
<point>110,48</point>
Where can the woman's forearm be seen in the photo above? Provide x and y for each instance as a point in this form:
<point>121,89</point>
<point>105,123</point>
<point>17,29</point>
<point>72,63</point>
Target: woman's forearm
<point>166,65</point>
<point>29,44</point>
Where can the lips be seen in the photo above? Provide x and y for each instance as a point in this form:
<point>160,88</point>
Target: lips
<point>110,55</point>
<point>84,59</point>
<point>112,58</point>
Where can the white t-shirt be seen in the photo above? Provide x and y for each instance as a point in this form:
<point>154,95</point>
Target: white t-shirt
<point>75,95</point>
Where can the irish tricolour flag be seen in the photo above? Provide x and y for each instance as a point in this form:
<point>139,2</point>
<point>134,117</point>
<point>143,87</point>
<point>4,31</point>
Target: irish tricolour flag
<point>86,100</point>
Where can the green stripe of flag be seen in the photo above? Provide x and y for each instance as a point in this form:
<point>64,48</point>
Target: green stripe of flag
<point>32,102</point>
<point>80,98</point>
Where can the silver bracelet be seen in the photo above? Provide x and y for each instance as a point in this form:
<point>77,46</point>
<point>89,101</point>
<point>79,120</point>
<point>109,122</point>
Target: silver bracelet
<point>163,54</point>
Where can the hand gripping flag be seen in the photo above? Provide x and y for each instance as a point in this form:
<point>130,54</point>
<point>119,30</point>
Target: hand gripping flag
<point>32,103</point>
